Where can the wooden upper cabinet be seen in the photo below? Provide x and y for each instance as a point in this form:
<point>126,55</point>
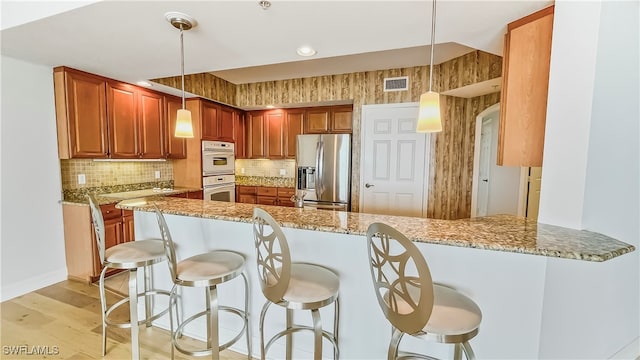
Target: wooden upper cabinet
<point>316,121</point>
<point>274,134</point>
<point>175,148</point>
<point>81,114</point>
<point>151,119</point>
<point>525,82</point>
<point>292,127</point>
<point>122,119</point>
<point>255,135</point>
<point>239,135</point>
<point>342,119</point>
<point>226,124</point>
<point>209,113</point>
<point>329,120</point>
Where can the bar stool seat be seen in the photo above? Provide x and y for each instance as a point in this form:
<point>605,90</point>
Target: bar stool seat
<point>127,256</point>
<point>310,286</point>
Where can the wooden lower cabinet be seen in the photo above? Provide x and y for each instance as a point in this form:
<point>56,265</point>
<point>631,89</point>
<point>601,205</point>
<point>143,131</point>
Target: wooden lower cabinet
<point>264,195</point>
<point>197,194</point>
<point>81,248</point>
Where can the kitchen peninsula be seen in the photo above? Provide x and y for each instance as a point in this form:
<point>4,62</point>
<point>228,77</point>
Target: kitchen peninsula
<point>509,282</point>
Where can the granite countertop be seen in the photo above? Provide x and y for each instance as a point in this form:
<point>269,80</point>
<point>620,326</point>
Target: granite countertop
<point>499,232</point>
<point>115,197</point>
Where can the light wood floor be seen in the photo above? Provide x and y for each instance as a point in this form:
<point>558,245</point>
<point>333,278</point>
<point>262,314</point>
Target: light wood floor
<point>66,318</point>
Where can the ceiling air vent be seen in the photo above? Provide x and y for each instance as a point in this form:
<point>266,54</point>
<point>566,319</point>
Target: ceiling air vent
<point>396,83</point>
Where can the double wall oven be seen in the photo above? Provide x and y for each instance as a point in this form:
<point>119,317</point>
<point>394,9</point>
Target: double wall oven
<point>218,169</point>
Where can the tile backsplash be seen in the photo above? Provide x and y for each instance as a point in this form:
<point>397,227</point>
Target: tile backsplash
<point>266,168</point>
<point>109,173</point>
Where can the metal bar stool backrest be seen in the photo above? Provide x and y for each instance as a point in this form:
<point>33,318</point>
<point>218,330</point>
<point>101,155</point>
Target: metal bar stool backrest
<point>274,260</point>
<point>169,246</point>
<point>401,278</point>
<point>98,225</point>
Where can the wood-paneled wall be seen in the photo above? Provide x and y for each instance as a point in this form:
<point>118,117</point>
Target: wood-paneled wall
<point>450,188</point>
<point>451,170</point>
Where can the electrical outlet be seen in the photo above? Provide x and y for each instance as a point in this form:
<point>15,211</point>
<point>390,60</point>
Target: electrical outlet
<point>157,174</point>
<point>241,170</point>
<point>283,172</point>
<point>82,179</point>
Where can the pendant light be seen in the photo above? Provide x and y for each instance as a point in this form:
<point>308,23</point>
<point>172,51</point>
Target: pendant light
<point>184,125</point>
<point>429,119</point>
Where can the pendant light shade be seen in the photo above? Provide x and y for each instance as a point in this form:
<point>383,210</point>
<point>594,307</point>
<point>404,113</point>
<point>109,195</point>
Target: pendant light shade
<point>184,125</point>
<point>429,119</point>
<point>429,114</point>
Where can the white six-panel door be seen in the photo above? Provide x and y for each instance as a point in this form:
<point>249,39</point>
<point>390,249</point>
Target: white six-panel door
<point>394,161</point>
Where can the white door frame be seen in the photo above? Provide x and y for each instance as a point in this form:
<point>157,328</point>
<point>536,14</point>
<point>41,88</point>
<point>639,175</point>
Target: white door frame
<point>425,174</point>
<point>522,196</point>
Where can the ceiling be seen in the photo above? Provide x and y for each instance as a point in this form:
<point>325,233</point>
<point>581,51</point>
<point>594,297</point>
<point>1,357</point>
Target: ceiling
<point>242,43</point>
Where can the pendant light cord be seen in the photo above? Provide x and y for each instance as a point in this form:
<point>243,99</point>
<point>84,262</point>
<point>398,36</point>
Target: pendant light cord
<point>433,38</point>
<point>182,62</point>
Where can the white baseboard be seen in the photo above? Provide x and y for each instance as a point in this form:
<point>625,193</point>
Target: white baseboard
<point>629,352</point>
<point>8,292</point>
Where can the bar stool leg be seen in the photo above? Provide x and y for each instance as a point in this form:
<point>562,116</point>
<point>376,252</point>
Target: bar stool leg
<point>457,352</point>
<point>133,313</point>
<point>103,304</point>
<point>246,315</point>
<point>289,338</point>
<point>212,322</point>
<point>336,317</point>
<point>148,299</point>
<point>317,334</point>
<point>468,351</point>
<point>396,336</point>
<point>263,313</point>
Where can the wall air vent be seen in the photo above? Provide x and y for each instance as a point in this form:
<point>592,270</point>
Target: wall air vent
<point>396,83</point>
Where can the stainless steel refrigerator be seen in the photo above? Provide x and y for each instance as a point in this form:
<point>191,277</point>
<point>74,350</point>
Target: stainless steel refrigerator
<point>324,170</point>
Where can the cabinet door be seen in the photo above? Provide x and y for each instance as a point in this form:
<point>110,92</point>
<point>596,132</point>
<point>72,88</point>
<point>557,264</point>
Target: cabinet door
<point>525,83</point>
<point>239,136</point>
<point>274,134</point>
<point>210,130</point>
<point>122,119</point>
<point>198,194</point>
<point>84,97</point>
<point>293,128</point>
<point>151,117</point>
<point>226,124</point>
<point>128,233</point>
<point>175,148</point>
<point>317,121</point>
<point>113,236</point>
<point>255,135</point>
<point>342,119</point>
<point>266,200</point>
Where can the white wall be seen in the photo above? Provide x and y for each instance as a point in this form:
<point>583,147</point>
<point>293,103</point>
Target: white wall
<point>32,239</point>
<point>591,177</point>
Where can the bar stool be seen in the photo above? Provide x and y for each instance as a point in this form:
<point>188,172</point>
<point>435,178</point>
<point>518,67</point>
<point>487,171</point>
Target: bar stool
<point>206,270</point>
<point>412,303</point>
<point>128,256</point>
<point>294,286</point>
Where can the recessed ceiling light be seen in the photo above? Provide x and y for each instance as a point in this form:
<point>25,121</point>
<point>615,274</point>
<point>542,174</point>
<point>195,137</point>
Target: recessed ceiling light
<point>144,83</point>
<point>305,51</point>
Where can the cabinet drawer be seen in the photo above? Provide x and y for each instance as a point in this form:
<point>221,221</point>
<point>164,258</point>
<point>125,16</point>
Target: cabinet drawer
<point>246,190</point>
<point>267,191</point>
<point>109,211</point>
<point>267,200</point>
<point>286,192</point>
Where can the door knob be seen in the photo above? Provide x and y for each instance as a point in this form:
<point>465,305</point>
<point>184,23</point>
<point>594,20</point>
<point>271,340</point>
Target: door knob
<point>485,180</point>
<point>367,185</point>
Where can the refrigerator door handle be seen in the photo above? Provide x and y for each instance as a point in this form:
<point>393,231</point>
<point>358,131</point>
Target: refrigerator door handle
<point>320,170</point>
<point>317,172</point>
